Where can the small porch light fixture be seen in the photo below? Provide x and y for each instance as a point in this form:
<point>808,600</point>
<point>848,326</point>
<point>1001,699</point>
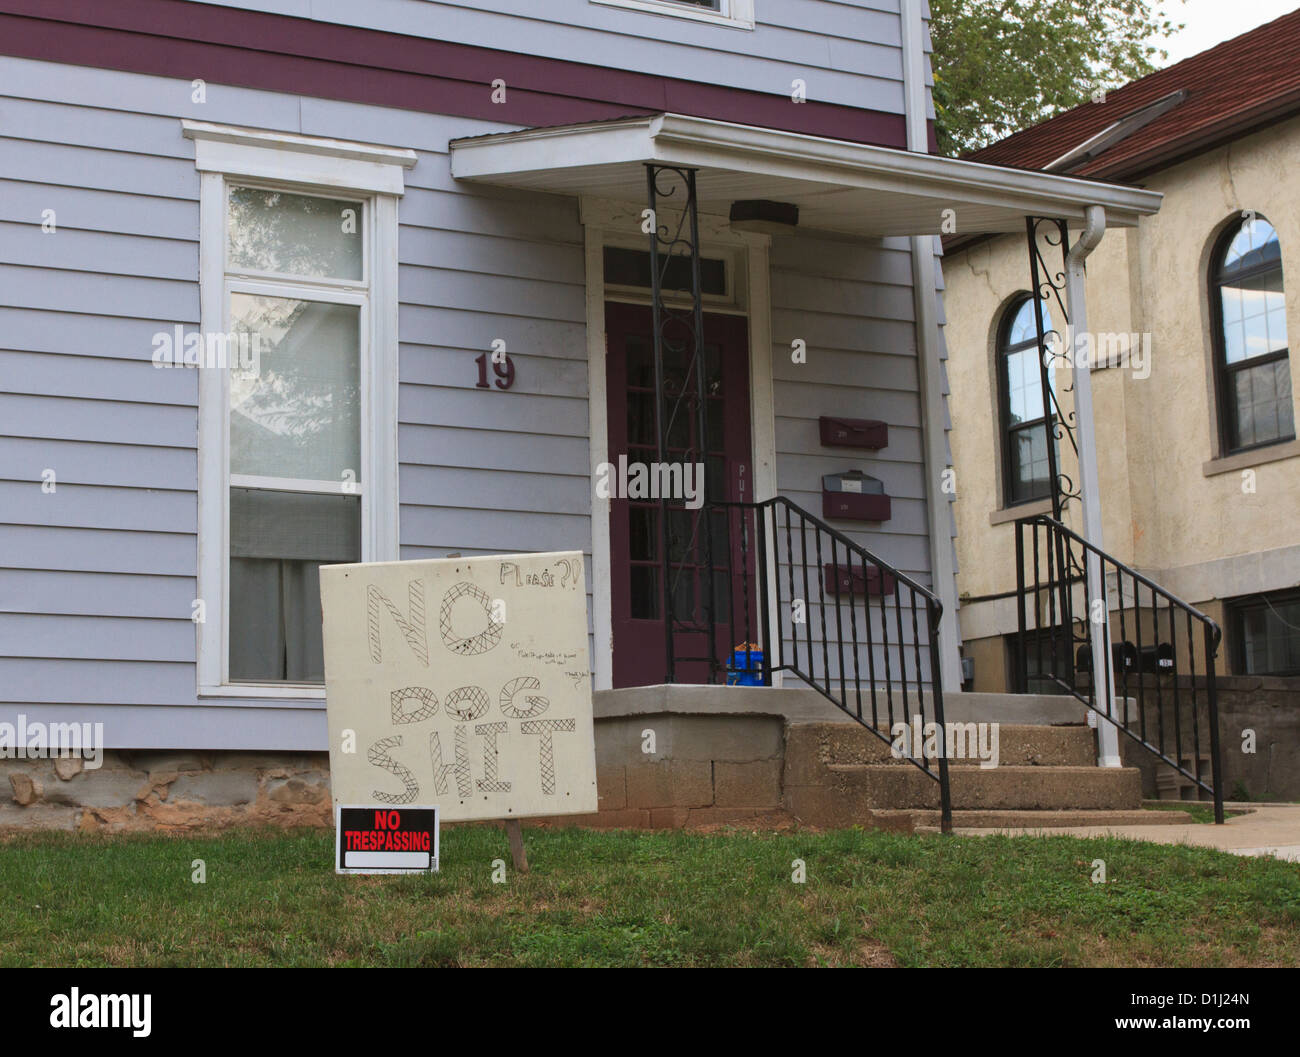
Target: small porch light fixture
<point>768,218</point>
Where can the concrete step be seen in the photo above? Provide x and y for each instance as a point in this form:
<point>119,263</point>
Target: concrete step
<point>925,821</point>
<point>812,746</point>
<point>848,791</point>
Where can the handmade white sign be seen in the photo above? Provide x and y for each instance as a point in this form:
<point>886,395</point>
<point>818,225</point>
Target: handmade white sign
<point>460,682</point>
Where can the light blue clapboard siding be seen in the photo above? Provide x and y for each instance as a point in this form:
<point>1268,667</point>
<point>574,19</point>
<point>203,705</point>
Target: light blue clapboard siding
<point>861,350</point>
<point>112,553</point>
<point>853,306</point>
<point>93,377</point>
<point>95,594</point>
<point>848,51</point>
<point>97,580</point>
<point>97,462</point>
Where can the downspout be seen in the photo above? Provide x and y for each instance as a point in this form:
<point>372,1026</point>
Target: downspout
<point>1089,483</point>
<point>943,571</point>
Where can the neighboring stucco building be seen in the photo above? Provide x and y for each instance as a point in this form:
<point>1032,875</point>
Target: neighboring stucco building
<point>1194,405</point>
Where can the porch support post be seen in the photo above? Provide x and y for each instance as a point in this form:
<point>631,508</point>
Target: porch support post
<point>1082,349</point>
<point>925,293</point>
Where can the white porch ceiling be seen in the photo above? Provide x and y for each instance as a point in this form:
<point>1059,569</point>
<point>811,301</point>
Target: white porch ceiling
<point>840,187</point>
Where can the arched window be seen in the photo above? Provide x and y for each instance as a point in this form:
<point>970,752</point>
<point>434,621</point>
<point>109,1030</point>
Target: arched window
<point>1252,366</point>
<point>1024,420</point>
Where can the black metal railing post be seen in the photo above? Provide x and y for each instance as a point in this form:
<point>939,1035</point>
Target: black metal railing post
<point>838,586</point>
<point>935,612</point>
<point>1091,571</point>
<point>1212,638</point>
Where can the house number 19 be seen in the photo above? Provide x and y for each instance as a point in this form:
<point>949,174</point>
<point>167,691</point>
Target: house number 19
<point>502,365</point>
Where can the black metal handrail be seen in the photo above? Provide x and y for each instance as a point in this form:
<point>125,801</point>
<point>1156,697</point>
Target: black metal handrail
<point>1158,668</point>
<point>829,625</point>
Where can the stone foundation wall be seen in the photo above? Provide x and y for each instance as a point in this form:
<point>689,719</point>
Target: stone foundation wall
<point>167,792</point>
<point>1268,705</point>
<point>703,769</point>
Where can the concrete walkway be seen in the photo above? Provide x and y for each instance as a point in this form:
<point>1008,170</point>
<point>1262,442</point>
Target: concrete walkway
<point>1269,829</point>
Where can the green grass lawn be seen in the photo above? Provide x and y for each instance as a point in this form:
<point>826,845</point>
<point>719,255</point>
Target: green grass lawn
<point>631,898</point>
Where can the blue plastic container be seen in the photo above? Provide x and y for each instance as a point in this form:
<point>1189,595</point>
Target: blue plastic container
<point>746,668</point>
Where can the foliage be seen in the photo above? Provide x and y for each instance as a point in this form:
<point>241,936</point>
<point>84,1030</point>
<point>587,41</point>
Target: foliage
<point>1004,65</point>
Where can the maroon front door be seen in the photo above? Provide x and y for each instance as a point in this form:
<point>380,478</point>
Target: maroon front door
<point>636,541</point>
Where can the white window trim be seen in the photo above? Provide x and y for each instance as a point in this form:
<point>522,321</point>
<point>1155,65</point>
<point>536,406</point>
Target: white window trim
<point>734,14</point>
<point>374,175</point>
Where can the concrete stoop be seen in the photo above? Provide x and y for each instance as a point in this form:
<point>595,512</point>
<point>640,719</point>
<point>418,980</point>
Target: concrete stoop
<point>921,821</point>
<point>731,755</point>
<point>838,775</point>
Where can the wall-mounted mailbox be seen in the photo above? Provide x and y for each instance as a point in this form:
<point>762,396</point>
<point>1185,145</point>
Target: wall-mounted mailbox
<point>853,496</point>
<point>1123,658</point>
<point>853,433</point>
<point>1158,659</point>
<point>844,581</point>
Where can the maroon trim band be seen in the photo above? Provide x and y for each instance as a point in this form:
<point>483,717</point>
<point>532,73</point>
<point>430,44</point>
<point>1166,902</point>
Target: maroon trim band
<point>280,53</point>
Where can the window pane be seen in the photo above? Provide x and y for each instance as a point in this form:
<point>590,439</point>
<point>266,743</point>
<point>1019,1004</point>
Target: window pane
<point>298,416</point>
<point>278,541</point>
<point>1271,638</point>
<point>1254,317</point>
<point>1264,411</point>
<point>1254,244</point>
<point>1024,386</point>
<point>1024,327</point>
<point>1046,655</point>
<point>625,267</point>
<point>645,592</point>
<point>271,231</point>
<point>1030,473</point>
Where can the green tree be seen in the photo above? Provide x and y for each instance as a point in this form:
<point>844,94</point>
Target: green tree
<point>1004,65</point>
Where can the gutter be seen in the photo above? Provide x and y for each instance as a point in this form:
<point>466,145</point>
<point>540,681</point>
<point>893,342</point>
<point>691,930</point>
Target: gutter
<point>925,295</point>
<point>1089,477</point>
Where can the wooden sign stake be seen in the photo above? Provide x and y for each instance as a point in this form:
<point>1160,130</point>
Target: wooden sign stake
<point>517,852</point>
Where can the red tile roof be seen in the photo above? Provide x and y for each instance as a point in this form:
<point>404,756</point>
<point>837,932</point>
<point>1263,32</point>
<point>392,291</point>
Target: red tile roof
<point>1240,84</point>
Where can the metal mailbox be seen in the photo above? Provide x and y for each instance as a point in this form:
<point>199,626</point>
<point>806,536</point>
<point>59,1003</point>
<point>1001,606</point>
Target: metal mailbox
<point>844,581</point>
<point>867,433</point>
<point>854,496</point>
<point>1123,658</point>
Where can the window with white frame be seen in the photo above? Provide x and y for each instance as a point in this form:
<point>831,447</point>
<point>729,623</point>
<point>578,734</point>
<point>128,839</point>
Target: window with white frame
<point>297,436</point>
<point>738,14</point>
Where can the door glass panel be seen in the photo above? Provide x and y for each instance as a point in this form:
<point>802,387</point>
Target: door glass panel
<point>641,419</point>
<point>643,533</point>
<point>645,592</point>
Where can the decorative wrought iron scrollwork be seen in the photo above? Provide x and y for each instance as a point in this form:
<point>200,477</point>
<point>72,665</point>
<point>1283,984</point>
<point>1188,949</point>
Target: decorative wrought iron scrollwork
<point>678,331</point>
<point>1046,235</point>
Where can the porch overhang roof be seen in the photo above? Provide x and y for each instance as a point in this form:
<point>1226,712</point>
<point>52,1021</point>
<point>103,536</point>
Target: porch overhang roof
<point>841,187</point>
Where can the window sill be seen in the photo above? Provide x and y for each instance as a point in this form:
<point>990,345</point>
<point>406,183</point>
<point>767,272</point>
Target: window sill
<point>740,16</point>
<point>263,692</point>
<point>1287,449</point>
<point>1021,510</point>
